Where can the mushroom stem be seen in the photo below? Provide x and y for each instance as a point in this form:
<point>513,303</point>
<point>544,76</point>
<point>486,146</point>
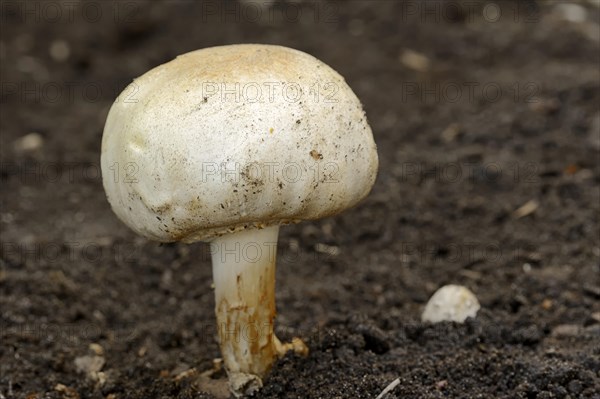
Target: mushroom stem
<point>244,276</point>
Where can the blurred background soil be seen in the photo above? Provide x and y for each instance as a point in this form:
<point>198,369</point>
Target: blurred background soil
<point>487,120</point>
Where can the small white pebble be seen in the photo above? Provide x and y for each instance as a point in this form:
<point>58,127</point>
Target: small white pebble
<point>413,60</point>
<point>29,143</point>
<point>451,303</point>
<point>89,364</point>
<point>97,349</point>
<point>59,50</point>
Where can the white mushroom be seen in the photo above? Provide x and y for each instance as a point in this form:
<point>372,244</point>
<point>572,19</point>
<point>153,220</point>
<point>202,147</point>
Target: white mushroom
<point>226,144</point>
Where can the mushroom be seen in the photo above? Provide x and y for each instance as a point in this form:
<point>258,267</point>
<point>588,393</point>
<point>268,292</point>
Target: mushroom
<point>224,145</point>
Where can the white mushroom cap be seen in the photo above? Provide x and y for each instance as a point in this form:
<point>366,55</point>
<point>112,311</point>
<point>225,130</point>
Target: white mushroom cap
<point>233,137</point>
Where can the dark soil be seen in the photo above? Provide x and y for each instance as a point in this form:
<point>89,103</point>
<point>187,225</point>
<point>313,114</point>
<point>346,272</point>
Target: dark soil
<point>503,112</point>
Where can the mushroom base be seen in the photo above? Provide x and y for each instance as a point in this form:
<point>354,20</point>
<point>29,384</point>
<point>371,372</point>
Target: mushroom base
<point>244,276</point>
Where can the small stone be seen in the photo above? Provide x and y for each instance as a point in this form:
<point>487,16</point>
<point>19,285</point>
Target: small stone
<point>60,387</point>
<point>451,132</point>
<point>164,374</point>
<point>142,351</point>
<point>67,392</point>
<point>547,304</point>
<point>100,378</point>
<point>413,60</point>
<point>97,349</point>
<point>451,303</point>
<point>89,365</point>
<point>29,143</point>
